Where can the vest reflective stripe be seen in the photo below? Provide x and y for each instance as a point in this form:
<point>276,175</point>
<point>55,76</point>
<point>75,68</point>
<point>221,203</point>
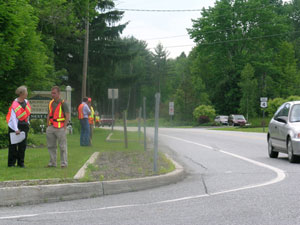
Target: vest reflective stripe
<point>91,117</point>
<point>21,114</point>
<point>57,117</point>
<point>80,111</point>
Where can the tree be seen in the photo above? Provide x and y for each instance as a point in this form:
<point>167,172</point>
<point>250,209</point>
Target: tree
<point>232,34</point>
<point>23,56</point>
<point>248,86</point>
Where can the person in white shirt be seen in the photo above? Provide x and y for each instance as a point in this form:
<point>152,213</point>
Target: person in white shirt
<point>18,120</point>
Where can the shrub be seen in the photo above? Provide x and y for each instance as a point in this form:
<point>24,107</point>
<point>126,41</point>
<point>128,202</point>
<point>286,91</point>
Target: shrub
<point>204,111</point>
<point>35,125</point>
<point>203,119</point>
<point>3,131</point>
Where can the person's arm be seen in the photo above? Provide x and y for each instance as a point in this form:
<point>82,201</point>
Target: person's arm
<point>67,118</point>
<point>14,122</point>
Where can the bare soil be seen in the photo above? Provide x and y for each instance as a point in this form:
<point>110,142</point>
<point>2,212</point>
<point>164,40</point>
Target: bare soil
<point>124,165</point>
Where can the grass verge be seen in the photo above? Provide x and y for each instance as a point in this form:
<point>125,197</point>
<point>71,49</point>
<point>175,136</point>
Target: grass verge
<point>37,158</point>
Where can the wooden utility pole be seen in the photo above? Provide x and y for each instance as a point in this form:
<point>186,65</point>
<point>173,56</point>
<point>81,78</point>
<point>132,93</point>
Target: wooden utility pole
<point>85,56</point>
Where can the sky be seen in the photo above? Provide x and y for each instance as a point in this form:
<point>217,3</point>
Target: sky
<point>167,28</point>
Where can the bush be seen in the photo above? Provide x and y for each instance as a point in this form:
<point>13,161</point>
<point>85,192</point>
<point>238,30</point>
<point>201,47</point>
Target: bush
<point>3,131</point>
<point>203,119</point>
<point>35,125</point>
<point>274,104</point>
<point>205,112</point>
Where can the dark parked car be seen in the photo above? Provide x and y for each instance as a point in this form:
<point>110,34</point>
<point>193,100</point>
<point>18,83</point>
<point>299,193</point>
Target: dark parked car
<point>106,120</point>
<point>236,120</point>
<point>284,131</point>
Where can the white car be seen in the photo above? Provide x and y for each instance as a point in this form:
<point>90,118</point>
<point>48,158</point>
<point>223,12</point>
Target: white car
<point>221,120</point>
<point>284,131</point>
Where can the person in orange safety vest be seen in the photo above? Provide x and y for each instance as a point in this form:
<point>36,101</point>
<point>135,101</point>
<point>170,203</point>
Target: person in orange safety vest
<point>17,119</point>
<point>57,121</point>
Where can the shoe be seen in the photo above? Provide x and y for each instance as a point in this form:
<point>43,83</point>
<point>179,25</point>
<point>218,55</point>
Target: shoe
<point>63,167</point>
<point>21,166</point>
<point>11,166</point>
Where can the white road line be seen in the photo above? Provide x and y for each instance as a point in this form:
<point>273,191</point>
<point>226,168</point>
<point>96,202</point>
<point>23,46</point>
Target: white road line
<point>280,177</point>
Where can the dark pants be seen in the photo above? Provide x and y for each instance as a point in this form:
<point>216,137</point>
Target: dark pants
<point>85,132</point>
<point>16,152</point>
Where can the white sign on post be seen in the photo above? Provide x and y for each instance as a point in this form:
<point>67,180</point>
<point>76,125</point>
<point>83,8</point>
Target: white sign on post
<point>171,108</point>
<point>263,104</point>
<point>116,93</point>
<point>264,99</point>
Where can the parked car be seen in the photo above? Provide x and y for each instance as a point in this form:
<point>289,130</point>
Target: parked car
<point>221,120</point>
<point>284,131</point>
<point>106,120</point>
<point>236,120</point>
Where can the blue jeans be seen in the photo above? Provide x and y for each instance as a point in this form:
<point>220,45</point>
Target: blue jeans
<point>85,132</point>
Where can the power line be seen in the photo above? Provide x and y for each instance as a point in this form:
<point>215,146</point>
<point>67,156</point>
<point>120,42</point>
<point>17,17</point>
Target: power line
<point>160,10</point>
<point>234,40</point>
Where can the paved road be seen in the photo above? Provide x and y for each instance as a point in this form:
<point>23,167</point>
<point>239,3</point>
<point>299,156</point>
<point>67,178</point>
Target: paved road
<point>230,181</point>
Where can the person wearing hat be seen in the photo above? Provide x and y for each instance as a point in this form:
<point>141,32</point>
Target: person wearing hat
<point>91,119</point>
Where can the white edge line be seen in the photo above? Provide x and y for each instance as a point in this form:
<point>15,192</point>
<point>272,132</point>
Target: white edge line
<point>280,176</point>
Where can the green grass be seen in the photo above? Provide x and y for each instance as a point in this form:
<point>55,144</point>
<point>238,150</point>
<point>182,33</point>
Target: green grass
<point>37,158</point>
<point>243,129</point>
<point>132,136</point>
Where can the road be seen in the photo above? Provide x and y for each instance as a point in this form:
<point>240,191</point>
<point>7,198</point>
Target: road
<point>230,180</point>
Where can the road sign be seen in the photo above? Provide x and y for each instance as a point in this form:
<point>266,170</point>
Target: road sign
<point>111,94</point>
<point>263,104</point>
<point>264,99</point>
<point>171,108</point>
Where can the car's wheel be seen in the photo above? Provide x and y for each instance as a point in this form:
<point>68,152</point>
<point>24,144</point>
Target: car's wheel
<point>272,153</point>
<point>292,158</point>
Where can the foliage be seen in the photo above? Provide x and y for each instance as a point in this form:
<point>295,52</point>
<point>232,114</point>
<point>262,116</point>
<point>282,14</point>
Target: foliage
<point>231,35</point>
<point>274,104</point>
<point>3,131</point>
<point>204,112</point>
<point>35,125</point>
<point>248,85</point>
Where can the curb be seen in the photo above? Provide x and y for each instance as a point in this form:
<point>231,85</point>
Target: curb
<point>10,196</point>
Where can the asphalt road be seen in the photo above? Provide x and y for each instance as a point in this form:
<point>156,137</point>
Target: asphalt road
<point>230,180</point>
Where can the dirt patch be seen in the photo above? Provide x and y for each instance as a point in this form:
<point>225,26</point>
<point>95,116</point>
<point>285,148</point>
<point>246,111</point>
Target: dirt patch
<point>124,165</point>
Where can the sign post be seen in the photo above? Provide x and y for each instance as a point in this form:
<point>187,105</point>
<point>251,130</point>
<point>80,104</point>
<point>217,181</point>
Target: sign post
<point>263,105</point>
<point>157,101</point>
<point>171,109</point>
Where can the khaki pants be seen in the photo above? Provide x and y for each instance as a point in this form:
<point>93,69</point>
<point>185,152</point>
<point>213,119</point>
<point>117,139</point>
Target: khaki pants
<point>54,136</point>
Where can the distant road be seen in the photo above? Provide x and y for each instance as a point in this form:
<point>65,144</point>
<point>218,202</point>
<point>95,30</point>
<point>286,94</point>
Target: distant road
<point>230,180</point>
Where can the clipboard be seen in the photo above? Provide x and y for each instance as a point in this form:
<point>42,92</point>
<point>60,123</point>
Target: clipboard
<point>15,139</point>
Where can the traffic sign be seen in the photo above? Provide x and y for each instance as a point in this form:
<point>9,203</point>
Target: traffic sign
<point>264,99</point>
<point>263,104</point>
<point>171,108</point>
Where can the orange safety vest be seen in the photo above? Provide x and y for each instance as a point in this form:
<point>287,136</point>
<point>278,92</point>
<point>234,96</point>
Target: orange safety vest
<point>91,116</point>
<point>80,111</point>
<point>21,114</point>
<point>57,117</point>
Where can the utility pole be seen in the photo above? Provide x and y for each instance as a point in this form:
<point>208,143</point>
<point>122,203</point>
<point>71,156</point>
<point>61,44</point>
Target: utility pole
<point>85,55</point>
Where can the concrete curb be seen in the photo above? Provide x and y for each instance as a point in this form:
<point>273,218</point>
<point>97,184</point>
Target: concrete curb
<point>58,192</point>
<point>80,174</point>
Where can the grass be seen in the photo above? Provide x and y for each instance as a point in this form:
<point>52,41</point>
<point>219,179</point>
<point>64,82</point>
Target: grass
<point>37,158</point>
